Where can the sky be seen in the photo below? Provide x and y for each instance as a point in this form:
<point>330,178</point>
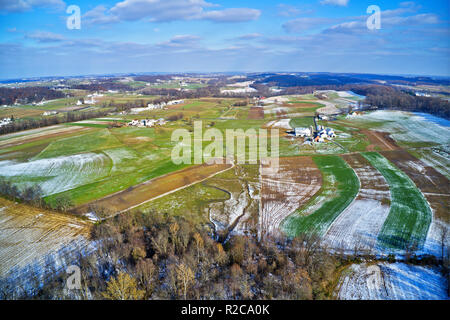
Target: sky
<point>129,36</point>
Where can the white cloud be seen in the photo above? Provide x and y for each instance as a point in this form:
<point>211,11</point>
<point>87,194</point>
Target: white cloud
<point>98,16</point>
<point>286,10</point>
<point>304,24</point>
<point>342,3</point>
<point>45,36</point>
<point>168,10</point>
<point>25,5</point>
<point>249,36</point>
<point>231,15</point>
<point>158,10</point>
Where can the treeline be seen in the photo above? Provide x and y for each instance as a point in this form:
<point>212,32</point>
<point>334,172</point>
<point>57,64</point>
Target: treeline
<point>49,121</point>
<point>33,195</point>
<point>157,256</point>
<point>104,86</point>
<point>384,97</point>
<point>26,95</point>
<point>153,78</point>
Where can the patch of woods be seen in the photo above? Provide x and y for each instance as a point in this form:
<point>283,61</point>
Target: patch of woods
<point>67,117</point>
<point>104,86</point>
<point>141,256</point>
<point>385,97</point>
<point>26,95</point>
<point>157,256</point>
<point>33,195</point>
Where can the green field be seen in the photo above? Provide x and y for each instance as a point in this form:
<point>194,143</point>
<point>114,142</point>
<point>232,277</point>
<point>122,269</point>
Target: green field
<point>339,187</point>
<point>410,216</point>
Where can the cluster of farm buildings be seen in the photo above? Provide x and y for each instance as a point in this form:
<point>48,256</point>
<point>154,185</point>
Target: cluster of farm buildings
<point>5,121</point>
<point>317,133</point>
<point>148,123</point>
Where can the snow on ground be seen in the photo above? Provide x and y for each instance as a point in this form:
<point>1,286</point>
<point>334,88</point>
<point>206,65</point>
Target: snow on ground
<point>239,90</point>
<point>55,175</point>
<point>282,124</point>
<point>433,242</point>
<point>284,191</point>
<point>277,99</point>
<point>344,94</point>
<point>120,155</point>
<point>31,239</point>
<point>395,281</point>
<point>357,227</point>
<point>275,109</point>
<point>409,127</point>
<point>438,158</point>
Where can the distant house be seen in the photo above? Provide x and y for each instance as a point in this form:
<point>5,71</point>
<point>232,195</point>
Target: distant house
<point>152,106</point>
<point>49,113</point>
<point>5,122</point>
<point>175,102</point>
<point>148,123</point>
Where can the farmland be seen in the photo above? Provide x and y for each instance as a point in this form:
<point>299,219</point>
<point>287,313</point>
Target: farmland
<point>374,189</point>
<point>339,187</point>
<point>32,240</point>
<point>358,226</point>
<point>410,216</point>
<point>396,281</point>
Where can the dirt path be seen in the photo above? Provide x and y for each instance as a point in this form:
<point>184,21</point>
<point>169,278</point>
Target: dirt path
<point>155,188</point>
<point>381,140</point>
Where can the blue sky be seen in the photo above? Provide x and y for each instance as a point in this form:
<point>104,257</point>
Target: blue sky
<point>216,35</point>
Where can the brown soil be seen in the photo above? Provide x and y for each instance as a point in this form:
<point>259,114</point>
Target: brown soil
<point>149,190</point>
<point>28,234</point>
<point>369,178</point>
<point>434,185</point>
<point>256,113</point>
<point>57,132</point>
<point>298,179</point>
<point>379,139</point>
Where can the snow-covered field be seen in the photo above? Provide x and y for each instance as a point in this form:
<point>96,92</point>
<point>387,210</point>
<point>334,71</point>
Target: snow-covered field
<point>409,127</point>
<point>277,99</point>
<point>285,190</point>
<point>357,227</point>
<point>31,238</point>
<point>55,175</point>
<point>281,124</point>
<point>395,281</point>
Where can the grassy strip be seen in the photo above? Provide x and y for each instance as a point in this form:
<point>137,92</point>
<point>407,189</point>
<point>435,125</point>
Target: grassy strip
<point>340,185</point>
<point>410,216</point>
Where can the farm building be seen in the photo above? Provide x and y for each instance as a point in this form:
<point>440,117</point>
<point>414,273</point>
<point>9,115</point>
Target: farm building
<point>5,122</point>
<point>49,113</point>
<point>175,102</point>
<point>303,132</point>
